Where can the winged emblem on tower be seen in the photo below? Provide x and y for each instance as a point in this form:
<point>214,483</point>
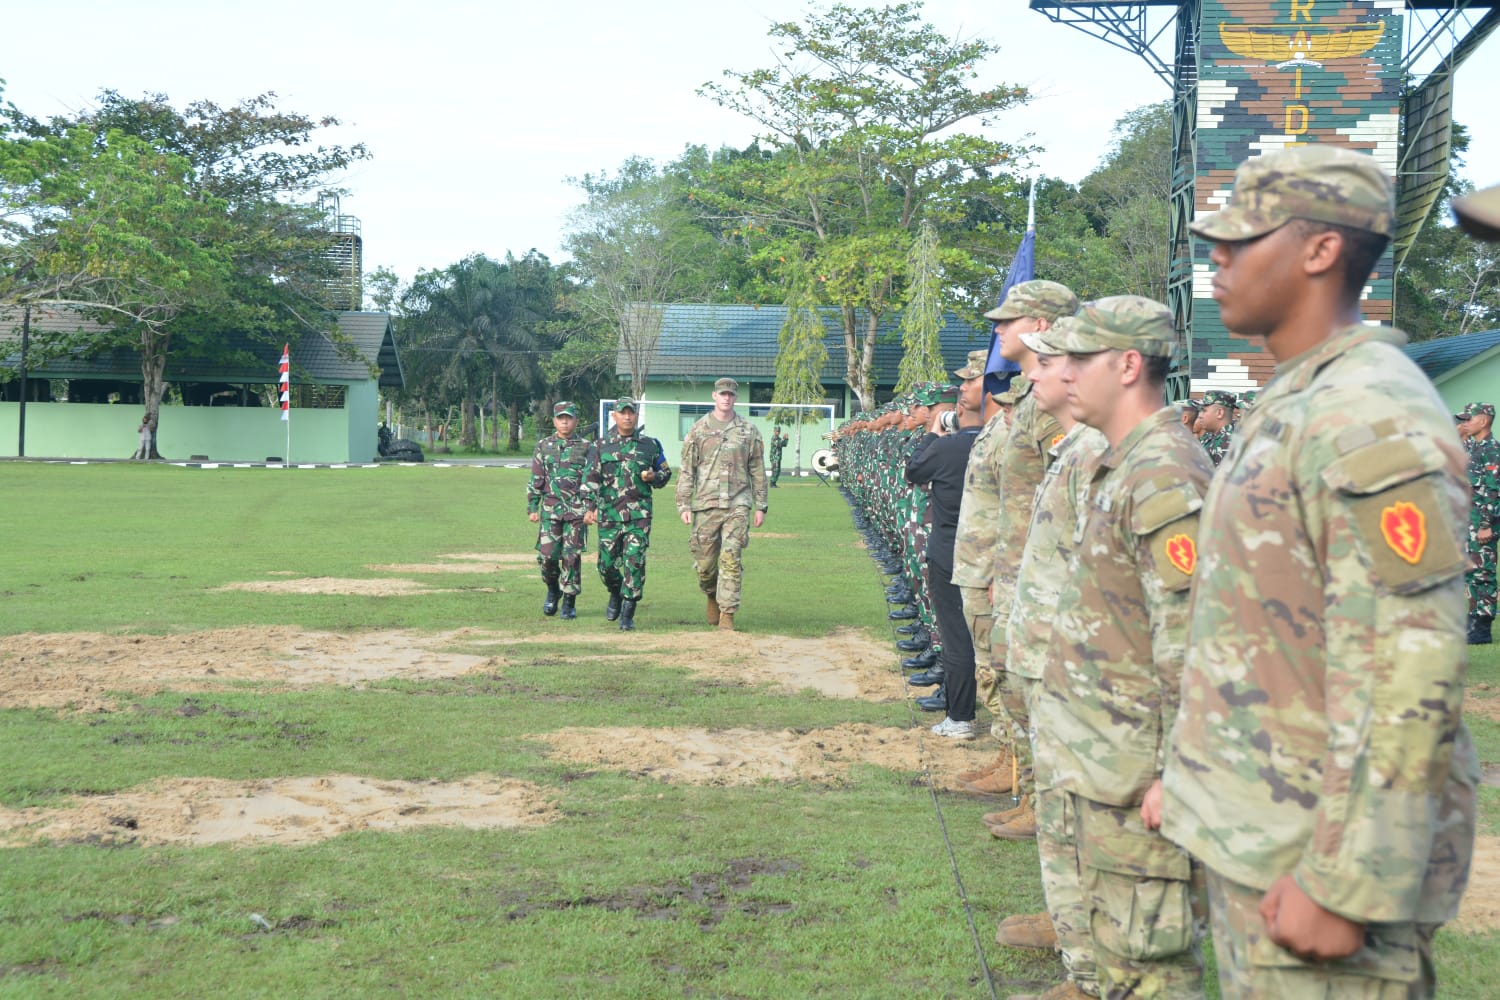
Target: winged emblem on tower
<point>1294,49</point>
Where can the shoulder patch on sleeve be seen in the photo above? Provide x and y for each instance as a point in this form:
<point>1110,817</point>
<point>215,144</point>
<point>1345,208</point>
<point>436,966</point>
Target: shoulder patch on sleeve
<point>1157,505</point>
<point>1393,488</point>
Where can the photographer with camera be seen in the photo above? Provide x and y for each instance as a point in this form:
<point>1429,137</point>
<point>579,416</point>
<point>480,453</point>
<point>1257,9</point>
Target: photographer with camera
<point>938,464</point>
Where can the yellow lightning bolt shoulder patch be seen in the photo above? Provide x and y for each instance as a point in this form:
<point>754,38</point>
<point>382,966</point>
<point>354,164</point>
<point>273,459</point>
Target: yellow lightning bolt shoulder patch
<point>1404,527</point>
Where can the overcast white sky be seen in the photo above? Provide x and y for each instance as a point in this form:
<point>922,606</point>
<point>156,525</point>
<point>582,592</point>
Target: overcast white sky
<point>478,112</point>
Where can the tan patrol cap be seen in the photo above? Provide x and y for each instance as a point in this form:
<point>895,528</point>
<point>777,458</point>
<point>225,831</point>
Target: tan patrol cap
<point>1119,323</point>
<point>1039,298</point>
<point>1479,213</point>
<point>975,366</point>
<point>727,385</point>
<point>1320,182</point>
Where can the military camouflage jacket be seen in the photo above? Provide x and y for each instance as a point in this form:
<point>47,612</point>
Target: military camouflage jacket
<point>1216,443</point>
<point>979,514</point>
<point>1320,731</point>
<point>557,470</point>
<point>1110,684</point>
<point>778,445</point>
<point>722,467</point>
<point>1484,480</point>
<point>1023,461</point>
<point>1049,542</point>
<point>613,487</point>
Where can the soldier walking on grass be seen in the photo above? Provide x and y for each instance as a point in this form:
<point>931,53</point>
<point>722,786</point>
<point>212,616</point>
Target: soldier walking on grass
<point>1319,766</point>
<point>554,500</point>
<point>624,470</point>
<point>721,478</point>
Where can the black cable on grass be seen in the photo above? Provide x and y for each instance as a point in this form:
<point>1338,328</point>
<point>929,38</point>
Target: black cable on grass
<point>937,808</point>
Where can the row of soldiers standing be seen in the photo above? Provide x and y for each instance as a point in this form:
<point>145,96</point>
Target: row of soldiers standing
<point>1237,691</point>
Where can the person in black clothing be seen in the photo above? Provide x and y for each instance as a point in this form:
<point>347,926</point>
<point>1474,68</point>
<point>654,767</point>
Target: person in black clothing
<point>940,461</point>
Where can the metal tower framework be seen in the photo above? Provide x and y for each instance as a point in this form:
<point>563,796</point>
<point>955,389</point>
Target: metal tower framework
<point>1439,36</point>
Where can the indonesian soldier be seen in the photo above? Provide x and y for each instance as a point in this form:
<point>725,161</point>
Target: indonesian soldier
<point>721,489</point>
<point>1476,429</point>
<point>1319,766</point>
<point>778,445</point>
<point>1215,424</point>
<point>1110,683</point>
<point>554,499</point>
<point>625,470</point>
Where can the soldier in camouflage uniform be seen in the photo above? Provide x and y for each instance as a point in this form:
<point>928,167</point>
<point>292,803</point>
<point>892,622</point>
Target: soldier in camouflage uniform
<point>1109,686</point>
<point>721,478</point>
<point>778,445</point>
<point>1215,426</point>
<point>554,499</point>
<point>1319,766</point>
<point>1039,583</point>
<point>625,469</point>
<point>1020,463</point>
<point>1475,427</point>
<point>974,542</point>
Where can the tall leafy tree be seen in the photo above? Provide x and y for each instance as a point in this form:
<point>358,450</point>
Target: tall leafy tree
<point>922,319</point>
<point>862,122</point>
<point>636,246</point>
<point>801,353</point>
<point>217,238</point>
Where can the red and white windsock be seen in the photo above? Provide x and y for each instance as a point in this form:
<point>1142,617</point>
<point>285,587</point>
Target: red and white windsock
<point>286,381</point>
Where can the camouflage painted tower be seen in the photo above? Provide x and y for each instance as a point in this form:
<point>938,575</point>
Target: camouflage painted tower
<point>1250,77</point>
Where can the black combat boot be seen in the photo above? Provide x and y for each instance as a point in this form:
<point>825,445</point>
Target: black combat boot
<point>627,616</point>
<point>568,611</point>
<point>612,610</point>
<point>554,594</point>
<point>1479,630</point>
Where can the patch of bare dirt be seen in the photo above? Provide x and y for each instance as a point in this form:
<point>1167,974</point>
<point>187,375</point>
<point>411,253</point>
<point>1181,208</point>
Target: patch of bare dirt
<point>1480,909</point>
<point>464,562</point>
<point>277,811</point>
<point>772,534</point>
<point>334,585</point>
<point>1483,701</point>
<point>79,669</point>
<point>750,756</point>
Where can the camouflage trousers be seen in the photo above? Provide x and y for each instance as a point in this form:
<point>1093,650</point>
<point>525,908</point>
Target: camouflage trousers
<point>1146,905</point>
<point>1394,964</point>
<point>622,556</point>
<point>559,551</point>
<point>719,536</point>
<point>1010,713</point>
<point>1057,847</point>
<point>1481,579</point>
<point>775,469</point>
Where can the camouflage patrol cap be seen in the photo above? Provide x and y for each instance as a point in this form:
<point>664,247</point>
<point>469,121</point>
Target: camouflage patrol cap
<point>1247,401</point>
<point>1319,182</point>
<point>1189,404</point>
<point>1473,410</point>
<point>1220,397</point>
<point>626,404</point>
<point>565,409</point>
<point>1039,298</point>
<point>1006,398</point>
<point>975,366</point>
<point>924,394</point>
<point>1037,344</point>
<point>727,385</point>
<point>947,393</point>
<point>1479,213</point>
<point>1119,323</point>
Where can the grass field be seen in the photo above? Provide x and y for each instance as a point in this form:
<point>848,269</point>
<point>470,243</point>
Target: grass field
<point>626,881</point>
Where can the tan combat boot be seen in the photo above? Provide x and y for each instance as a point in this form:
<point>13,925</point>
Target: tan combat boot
<point>1003,816</point>
<point>1027,930</point>
<point>1000,763</point>
<point>1022,826</point>
<point>713,610</point>
<point>1062,991</point>
<point>994,783</point>
<point>726,621</point>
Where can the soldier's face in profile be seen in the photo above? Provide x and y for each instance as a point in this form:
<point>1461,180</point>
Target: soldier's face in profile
<point>1092,385</point>
<point>1211,418</point>
<point>1009,331</point>
<point>1254,280</point>
<point>1051,395</point>
<point>626,420</point>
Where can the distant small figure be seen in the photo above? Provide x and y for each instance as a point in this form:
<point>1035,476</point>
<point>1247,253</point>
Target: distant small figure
<point>143,432</point>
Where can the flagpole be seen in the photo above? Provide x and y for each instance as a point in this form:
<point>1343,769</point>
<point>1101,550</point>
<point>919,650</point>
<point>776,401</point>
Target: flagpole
<point>1031,208</point>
